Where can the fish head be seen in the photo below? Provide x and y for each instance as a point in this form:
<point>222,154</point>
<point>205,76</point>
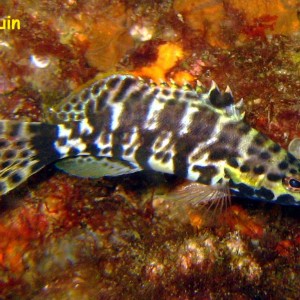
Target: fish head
<point>267,172</point>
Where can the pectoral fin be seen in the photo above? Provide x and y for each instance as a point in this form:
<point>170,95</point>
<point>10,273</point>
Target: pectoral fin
<point>200,194</point>
<point>202,204</point>
<point>96,167</point>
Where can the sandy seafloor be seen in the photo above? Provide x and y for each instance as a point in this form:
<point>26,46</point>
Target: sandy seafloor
<point>63,237</point>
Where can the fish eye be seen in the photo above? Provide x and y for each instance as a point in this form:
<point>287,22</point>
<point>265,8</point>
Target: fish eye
<point>291,184</point>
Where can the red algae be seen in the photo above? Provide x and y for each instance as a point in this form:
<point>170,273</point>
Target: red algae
<point>65,237</point>
<point>238,219</point>
<point>24,232</point>
<point>260,26</point>
<point>285,248</point>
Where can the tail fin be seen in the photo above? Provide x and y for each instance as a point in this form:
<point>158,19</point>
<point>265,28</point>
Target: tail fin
<point>25,148</point>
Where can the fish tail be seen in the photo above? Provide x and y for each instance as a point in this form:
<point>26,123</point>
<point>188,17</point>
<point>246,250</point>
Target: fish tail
<point>25,148</point>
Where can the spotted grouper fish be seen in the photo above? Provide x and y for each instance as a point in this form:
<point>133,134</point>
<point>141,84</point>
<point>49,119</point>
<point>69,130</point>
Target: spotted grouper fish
<point>123,124</point>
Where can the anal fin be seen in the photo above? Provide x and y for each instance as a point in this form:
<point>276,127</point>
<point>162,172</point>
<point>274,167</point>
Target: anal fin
<point>96,167</point>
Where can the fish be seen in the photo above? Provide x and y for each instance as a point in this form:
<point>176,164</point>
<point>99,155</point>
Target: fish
<point>122,124</point>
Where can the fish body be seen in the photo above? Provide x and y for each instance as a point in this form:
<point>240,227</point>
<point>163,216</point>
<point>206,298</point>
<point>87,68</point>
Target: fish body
<point>123,124</point>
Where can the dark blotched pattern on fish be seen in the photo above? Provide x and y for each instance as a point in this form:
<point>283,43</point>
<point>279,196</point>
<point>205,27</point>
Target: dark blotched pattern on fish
<point>201,137</point>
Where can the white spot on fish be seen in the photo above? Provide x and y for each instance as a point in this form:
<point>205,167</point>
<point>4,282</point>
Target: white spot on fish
<point>154,110</point>
<point>85,127</point>
<point>117,110</point>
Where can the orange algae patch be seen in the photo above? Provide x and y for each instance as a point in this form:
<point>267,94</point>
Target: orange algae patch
<point>205,17</point>
<point>183,77</point>
<point>168,56</point>
<point>108,44</point>
<point>285,11</point>
<point>221,23</point>
<point>198,220</point>
<point>108,37</point>
<point>237,218</point>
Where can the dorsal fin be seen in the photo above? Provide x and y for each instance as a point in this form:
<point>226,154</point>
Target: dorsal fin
<point>117,88</point>
<point>225,101</point>
<point>236,111</point>
<point>218,99</point>
<point>173,84</point>
<point>164,84</point>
